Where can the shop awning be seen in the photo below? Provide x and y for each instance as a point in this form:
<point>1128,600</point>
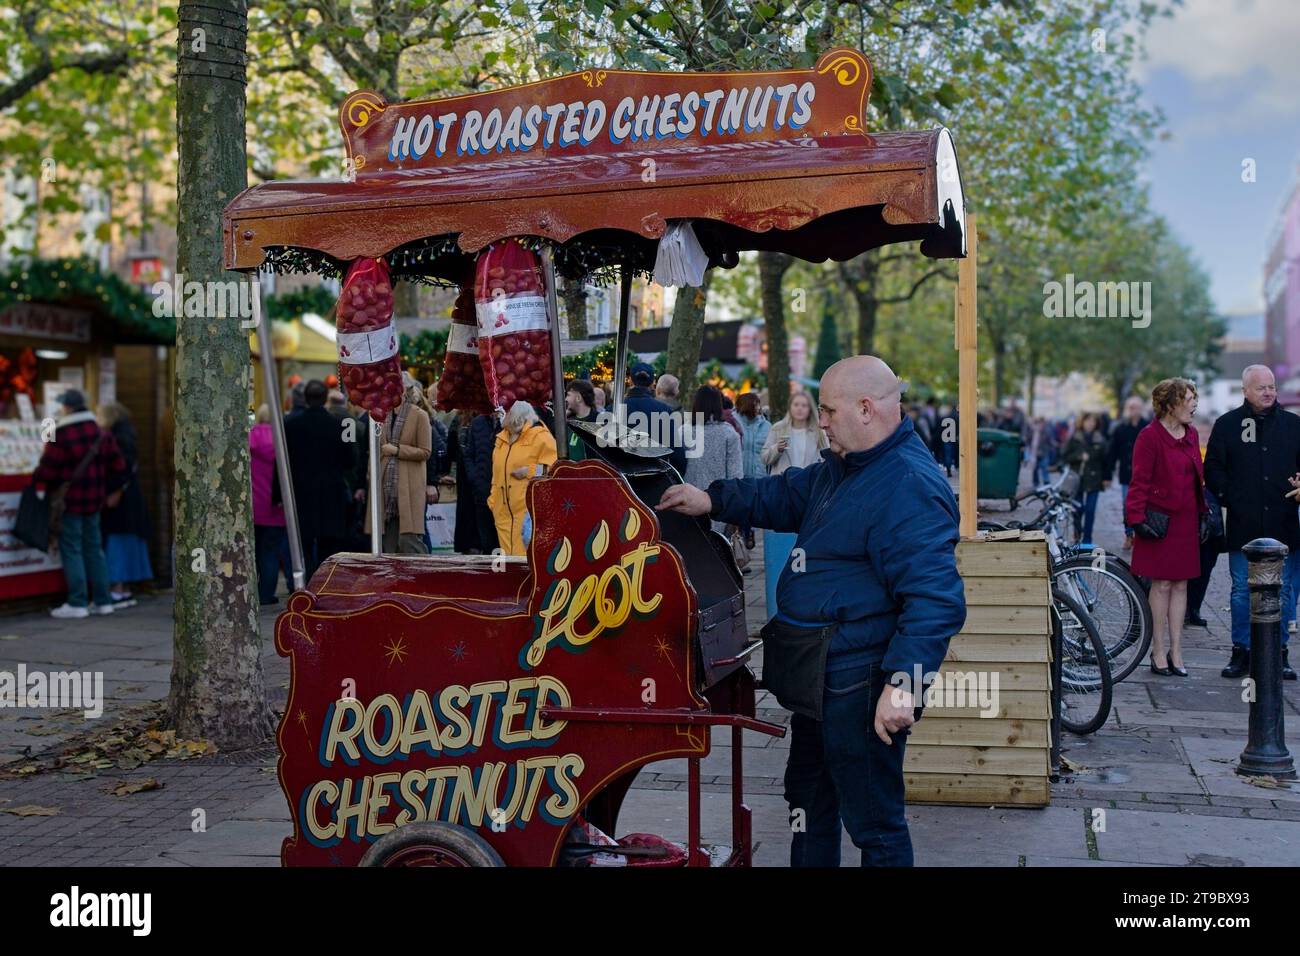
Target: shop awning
<point>816,198</point>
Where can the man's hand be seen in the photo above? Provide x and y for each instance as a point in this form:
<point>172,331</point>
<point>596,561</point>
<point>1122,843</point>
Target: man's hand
<point>520,472</point>
<point>893,713</point>
<point>686,499</point>
<point>388,449</point>
<point>431,494</point>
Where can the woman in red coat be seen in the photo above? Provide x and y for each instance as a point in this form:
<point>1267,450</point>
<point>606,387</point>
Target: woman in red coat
<point>1168,478</point>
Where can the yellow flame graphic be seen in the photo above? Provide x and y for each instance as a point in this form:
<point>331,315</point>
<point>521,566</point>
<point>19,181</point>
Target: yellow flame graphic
<point>632,526</point>
<point>566,553</point>
<point>600,543</point>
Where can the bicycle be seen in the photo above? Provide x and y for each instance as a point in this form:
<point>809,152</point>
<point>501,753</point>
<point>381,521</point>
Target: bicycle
<point>1102,583</point>
<point>1082,682</point>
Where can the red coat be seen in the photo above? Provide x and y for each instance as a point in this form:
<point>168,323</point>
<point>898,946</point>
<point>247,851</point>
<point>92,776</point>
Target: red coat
<point>1167,477</point>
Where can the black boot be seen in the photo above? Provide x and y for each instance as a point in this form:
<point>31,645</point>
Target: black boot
<point>1287,672</point>
<point>1239,664</point>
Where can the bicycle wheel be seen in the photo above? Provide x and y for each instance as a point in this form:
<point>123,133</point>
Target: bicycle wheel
<point>1085,692</point>
<point>1117,604</point>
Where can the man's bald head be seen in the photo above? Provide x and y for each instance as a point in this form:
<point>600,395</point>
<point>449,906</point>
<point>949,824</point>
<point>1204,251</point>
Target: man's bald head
<point>1259,387</point>
<point>859,405</point>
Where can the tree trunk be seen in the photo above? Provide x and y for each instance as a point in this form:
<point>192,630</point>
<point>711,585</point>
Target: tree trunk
<point>406,300</point>
<point>999,368</point>
<point>859,277</point>
<point>216,686</point>
<point>1033,382</point>
<point>686,336</point>
<point>772,267</point>
<point>575,308</point>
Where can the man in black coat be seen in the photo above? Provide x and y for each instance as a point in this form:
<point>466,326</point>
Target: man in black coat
<point>322,462</point>
<point>1123,436</point>
<point>1252,454</point>
<point>478,468</point>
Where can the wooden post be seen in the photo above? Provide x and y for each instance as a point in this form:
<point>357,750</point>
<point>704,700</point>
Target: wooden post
<point>967,380</point>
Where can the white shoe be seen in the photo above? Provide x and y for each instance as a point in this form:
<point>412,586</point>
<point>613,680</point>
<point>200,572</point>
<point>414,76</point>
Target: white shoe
<point>68,611</point>
<point>101,609</point>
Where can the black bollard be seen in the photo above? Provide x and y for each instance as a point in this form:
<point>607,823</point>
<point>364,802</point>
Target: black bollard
<point>1266,754</point>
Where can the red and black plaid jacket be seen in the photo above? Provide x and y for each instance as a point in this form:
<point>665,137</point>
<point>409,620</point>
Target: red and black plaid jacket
<point>72,441</point>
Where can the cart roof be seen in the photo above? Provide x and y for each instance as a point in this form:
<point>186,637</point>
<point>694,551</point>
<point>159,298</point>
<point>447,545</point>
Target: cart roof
<point>826,189</point>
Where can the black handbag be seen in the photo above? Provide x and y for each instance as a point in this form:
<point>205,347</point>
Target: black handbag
<point>32,526</point>
<point>794,665</point>
<point>1154,526</point>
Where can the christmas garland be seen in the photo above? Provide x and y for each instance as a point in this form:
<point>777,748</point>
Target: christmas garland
<point>80,283</point>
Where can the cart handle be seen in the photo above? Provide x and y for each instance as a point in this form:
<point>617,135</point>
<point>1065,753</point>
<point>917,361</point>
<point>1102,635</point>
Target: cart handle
<point>725,661</point>
<point>619,715</point>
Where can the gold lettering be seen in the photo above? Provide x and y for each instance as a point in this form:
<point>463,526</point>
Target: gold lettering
<point>410,781</point>
<point>330,791</point>
<point>565,803</point>
<point>561,616</point>
<point>546,730</point>
<point>426,732</point>
<point>512,708</point>
<point>378,800</point>
<point>484,690</point>
<point>347,736</point>
<point>452,702</point>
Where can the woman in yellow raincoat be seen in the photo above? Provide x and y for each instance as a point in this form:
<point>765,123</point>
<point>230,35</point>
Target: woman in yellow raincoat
<point>524,450</point>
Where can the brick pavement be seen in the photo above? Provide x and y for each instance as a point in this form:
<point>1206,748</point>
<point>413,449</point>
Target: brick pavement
<point>1161,768</point>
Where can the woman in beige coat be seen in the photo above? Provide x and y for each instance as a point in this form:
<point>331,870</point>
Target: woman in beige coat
<point>407,442</point>
<point>796,441</point>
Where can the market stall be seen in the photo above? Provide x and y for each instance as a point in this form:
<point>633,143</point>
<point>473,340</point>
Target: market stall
<point>581,176</point>
<point>64,324</point>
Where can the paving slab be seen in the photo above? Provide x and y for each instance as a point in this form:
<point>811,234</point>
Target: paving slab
<point>1182,839</point>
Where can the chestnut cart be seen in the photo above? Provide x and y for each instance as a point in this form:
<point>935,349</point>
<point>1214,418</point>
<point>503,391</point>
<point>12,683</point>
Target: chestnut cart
<point>470,710</point>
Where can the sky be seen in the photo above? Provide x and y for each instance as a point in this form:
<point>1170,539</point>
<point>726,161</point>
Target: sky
<point>1226,73</point>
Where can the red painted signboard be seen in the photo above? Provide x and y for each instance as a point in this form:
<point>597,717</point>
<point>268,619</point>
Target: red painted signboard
<point>418,685</point>
<point>608,111</point>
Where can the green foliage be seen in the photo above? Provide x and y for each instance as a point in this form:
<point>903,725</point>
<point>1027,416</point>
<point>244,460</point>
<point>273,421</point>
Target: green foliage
<point>597,364</point>
<point>79,283</point>
<point>828,344</point>
<point>427,350</point>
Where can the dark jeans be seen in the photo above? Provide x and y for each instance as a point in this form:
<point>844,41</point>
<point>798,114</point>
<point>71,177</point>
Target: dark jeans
<point>316,550</point>
<point>840,772</point>
<point>81,550</point>
<point>1197,586</point>
<point>271,544</point>
<point>1083,522</point>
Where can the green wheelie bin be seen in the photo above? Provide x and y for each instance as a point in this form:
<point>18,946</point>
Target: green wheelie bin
<point>998,455</point>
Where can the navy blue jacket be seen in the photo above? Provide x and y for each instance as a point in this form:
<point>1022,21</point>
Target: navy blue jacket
<point>641,399</point>
<point>879,532</point>
<point>478,456</point>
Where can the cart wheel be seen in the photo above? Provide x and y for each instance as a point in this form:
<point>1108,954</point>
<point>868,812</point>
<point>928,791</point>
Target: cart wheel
<point>431,844</point>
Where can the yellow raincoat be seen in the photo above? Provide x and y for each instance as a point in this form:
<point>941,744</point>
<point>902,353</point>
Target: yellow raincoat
<point>507,502</point>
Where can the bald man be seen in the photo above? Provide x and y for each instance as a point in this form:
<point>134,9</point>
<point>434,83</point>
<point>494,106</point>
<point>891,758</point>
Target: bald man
<point>1251,459</point>
<point>869,598</point>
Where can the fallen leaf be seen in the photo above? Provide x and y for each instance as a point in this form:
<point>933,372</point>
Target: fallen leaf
<point>126,788</point>
<point>30,768</point>
<point>1071,766</point>
<point>31,810</point>
<point>1267,782</point>
<point>8,637</point>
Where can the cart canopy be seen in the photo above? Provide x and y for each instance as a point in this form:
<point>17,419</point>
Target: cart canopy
<point>599,162</point>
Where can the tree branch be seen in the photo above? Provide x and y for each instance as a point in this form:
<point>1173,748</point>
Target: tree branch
<point>916,286</point>
<point>112,62</point>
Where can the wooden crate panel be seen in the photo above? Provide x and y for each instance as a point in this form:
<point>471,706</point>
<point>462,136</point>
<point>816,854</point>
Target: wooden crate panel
<point>1018,675</point>
<point>980,732</point>
<point>977,789</point>
<point>1012,704</point>
<point>1007,620</point>
<point>1016,592</point>
<point>950,758</point>
<point>982,648</point>
<point>1002,559</point>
